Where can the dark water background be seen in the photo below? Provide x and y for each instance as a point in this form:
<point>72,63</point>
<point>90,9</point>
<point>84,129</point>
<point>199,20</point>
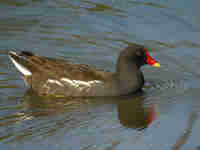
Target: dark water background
<point>165,117</point>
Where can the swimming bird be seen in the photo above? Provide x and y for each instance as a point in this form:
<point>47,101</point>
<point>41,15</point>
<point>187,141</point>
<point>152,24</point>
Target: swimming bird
<point>49,76</point>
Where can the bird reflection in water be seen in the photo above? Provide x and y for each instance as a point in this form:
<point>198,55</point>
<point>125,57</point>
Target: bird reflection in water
<point>133,113</point>
<point>48,116</point>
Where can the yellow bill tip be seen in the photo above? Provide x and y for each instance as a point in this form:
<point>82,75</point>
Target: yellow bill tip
<point>156,65</point>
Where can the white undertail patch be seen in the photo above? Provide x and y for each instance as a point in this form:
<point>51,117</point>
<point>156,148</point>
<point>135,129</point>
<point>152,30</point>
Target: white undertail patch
<point>21,68</point>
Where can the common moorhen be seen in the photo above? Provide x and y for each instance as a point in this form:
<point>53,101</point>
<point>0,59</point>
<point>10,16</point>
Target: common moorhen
<point>48,76</point>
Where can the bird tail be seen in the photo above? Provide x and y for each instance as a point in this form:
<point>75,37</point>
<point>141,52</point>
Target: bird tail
<point>21,61</point>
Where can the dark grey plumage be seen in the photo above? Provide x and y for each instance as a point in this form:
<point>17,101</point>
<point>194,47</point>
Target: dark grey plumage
<point>49,76</point>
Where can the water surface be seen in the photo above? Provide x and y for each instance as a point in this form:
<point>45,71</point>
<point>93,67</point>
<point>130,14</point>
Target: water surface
<point>165,116</point>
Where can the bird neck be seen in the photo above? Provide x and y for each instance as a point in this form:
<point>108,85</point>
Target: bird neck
<point>129,75</point>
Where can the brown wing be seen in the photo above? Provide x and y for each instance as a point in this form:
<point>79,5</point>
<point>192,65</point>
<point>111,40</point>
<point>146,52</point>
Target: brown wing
<point>57,68</point>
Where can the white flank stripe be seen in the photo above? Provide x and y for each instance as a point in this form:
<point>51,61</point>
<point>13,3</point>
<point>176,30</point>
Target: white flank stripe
<point>95,81</point>
<point>67,80</point>
<point>54,81</point>
<point>78,83</point>
<point>21,68</point>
